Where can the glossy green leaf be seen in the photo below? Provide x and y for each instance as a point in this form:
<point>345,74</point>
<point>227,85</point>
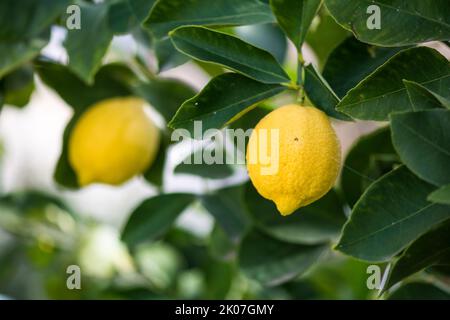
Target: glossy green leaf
<point>272,262</point>
<point>303,11</point>
<point>316,223</point>
<point>112,80</point>
<point>356,175</point>
<point>229,51</point>
<point>165,95</point>
<point>87,46</point>
<point>223,100</point>
<point>153,217</point>
<point>441,195</point>
<point>422,98</point>
<point>422,140</point>
<point>125,15</point>
<point>18,86</point>
<point>383,92</point>
<point>419,254</point>
<point>419,291</point>
<point>365,59</point>
<point>227,207</point>
<point>392,213</point>
<point>321,94</point>
<point>266,36</point>
<point>170,14</point>
<point>401,22</point>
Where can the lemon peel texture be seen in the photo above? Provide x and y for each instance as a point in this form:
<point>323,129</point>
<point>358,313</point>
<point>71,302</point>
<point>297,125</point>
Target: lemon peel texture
<point>112,141</point>
<point>299,164</point>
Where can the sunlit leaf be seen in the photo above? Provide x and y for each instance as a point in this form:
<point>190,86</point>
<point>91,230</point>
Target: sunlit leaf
<point>297,28</point>
<point>229,51</point>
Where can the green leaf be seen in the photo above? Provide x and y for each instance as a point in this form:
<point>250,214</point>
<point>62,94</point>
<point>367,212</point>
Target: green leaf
<point>165,95</point>
<point>18,86</point>
<point>224,99</point>
<point>220,246</point>
<point>418,255</point>
<point>365,59</point>
<point>422,98</point>
<point>356,175</point>
<point>87,46</point>
<point>392,213</point>
<point>229,51</point>
<point>14,54</point>
<point>422,140</point>
<point>419,291</point>
<point>321,94</point>
<point>303,10</point>
<point>272,262</point>
<point>204,170</point>
<point>64,173</point>
<point>125,15</point>
<point>266,36</point>
<point>155,173</point>
<point>316,223</point>
<point>219,276</point>
<point>401,22</point>
<point>441,195</point>
<point>227,207</point>
<point>170,14</point>
<point>112,80</point>
<point>324,35</point>
<point>153,217</point>
<point>168,57</point>
<point>383,92</point>
<point>27,19</point>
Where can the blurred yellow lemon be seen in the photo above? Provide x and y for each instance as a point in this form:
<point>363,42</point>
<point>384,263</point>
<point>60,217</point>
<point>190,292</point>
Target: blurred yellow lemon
<point>293,157</point>
<point>113,141</point>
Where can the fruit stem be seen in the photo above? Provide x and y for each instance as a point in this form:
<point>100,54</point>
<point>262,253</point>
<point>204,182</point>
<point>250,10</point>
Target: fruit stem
<point>300,77</point>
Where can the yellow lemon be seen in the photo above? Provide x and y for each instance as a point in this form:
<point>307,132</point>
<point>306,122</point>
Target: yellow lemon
<point>113,141</point>
<point>293,157</point>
